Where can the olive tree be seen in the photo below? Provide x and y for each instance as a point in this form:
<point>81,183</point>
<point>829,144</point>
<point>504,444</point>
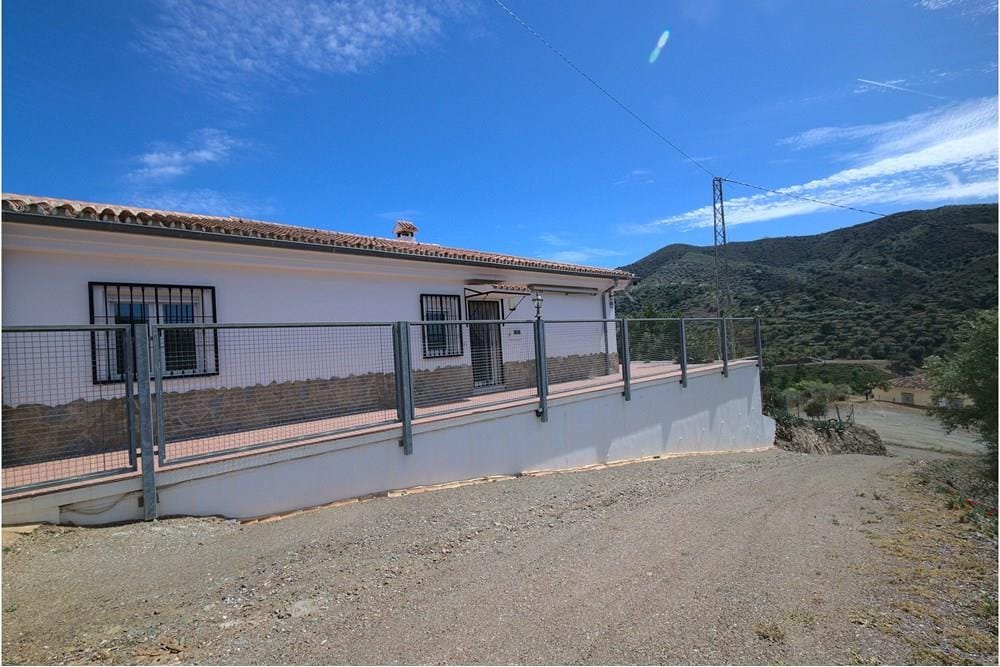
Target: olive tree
<point>969,372</point>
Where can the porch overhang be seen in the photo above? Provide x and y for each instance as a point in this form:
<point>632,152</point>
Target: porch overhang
<point>483,286</point>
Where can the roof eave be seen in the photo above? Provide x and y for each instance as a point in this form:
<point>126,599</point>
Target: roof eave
<point>107,226</point>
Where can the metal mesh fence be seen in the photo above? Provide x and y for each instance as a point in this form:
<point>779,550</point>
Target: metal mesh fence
<point>581,354</point>
<point>654,346</point>
<point>704,344</point>
<point>742,338</point>
<point>222,388</point>
<point>65,412</point>
<point>466,364</point>
<point>71,410</point>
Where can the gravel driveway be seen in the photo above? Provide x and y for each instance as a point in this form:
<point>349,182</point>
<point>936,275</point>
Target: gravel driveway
<point>912,427</point>
<point>747,558</point>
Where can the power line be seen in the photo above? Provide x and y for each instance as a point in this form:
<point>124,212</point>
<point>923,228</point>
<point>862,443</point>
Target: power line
<point>601,88</point>
<point>652,129</point>
<point>815,201</point>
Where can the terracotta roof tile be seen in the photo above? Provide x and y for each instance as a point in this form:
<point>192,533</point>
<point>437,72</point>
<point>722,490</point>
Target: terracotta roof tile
<point>233,226</point>
<point>911,382</point>
<point>510,287</point>
<point>404,226</point>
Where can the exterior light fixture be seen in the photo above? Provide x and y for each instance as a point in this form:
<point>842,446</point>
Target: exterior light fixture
<point>537,299</point>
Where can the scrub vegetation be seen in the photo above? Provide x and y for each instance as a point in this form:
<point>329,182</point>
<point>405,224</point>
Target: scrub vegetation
<point>943,560</point>
<point>970,372</point>
<point>896,288</point>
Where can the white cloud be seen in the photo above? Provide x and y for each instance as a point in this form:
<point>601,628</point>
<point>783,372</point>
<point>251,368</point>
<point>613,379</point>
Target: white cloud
<point>643,176</point>
<point>908,133</point>
<point>945,155</point>
<point>202,200</point>
<point>554,240</point>
<point>969,7</point>
<point>404,214</point>
<point>227,44</point>
<point>573,252</point>
<point>895,85</point>
<point>583,255</point>
<point>166,162</point>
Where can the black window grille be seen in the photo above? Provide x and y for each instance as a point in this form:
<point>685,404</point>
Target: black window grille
<point>441,340</point>
<point>186,352</point>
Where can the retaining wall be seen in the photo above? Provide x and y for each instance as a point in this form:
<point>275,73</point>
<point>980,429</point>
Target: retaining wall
<point>713,413</point>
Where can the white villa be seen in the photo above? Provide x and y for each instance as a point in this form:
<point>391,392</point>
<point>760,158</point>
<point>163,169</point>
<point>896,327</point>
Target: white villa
<point>71,262</point>
<point>252,418</point>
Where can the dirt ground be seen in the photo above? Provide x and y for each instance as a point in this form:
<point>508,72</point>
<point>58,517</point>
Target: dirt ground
<point>912,427</point>
<point>769,557</point>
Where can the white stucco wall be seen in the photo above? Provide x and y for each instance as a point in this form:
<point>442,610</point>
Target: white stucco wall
<point>46,272</point>
<point>713,413</point>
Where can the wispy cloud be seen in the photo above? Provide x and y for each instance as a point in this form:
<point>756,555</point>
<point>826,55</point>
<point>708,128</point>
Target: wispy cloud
<point>227,44</point>
<point>893,85</point>
<point>642,176</point>
<point>405,214</point>
<point>970,7</point>
<point>945,155</point>
<point>166,162</point>
<point>563,249</point>
<point>202,200</point>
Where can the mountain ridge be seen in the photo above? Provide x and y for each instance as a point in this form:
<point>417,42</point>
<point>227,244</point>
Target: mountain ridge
<point>893,287</point>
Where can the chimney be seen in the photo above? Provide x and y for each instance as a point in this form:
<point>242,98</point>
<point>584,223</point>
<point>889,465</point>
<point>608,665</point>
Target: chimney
<point>405,231</point>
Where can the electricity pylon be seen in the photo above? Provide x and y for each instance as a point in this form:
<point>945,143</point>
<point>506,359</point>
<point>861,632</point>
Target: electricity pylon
<point>723,298</point>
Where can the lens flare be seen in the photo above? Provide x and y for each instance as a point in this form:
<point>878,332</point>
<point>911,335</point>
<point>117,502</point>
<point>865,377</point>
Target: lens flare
<point>660,43</point>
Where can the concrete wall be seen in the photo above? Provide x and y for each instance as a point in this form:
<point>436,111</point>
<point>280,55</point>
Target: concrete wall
<point>712,414</point>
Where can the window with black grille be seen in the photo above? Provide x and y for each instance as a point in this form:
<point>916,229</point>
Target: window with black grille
<point>441,340</point>
<point>186,352</point>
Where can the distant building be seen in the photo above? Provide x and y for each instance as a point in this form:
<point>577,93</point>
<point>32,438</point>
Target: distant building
<point>912,390</point>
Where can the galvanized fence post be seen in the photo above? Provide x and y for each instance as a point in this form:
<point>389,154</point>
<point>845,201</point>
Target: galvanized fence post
<point>404,382</point>
<point>541,370</point>
<point>760,343</point>
<point>607,347</point>
<point>159,363</point>
<point>684,355</point>
<point>145,421</point>
<point>724,340</point>
<point>626,362</point>
<point>130,420</point>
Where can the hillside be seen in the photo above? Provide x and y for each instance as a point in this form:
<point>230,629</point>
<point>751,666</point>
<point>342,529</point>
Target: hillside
<point>893,288</point>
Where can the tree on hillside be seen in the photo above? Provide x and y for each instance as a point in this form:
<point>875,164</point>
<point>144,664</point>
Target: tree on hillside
<point>969,372</point>
<point>865,380</point>
<point>890,289</point>
<point>813,396</point>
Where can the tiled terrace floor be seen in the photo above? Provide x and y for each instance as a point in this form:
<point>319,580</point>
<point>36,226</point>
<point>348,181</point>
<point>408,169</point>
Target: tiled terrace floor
<point>309,432</point>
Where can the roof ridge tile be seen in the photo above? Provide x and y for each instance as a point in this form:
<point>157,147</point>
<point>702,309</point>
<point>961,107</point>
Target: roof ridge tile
<point>247,227</point>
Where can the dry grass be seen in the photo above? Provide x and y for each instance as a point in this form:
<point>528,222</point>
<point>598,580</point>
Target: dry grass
<point>944,569</point>
<point>770,631</point>
<point>880,620</point>
<point>858,658</point>
<point>803,618</point>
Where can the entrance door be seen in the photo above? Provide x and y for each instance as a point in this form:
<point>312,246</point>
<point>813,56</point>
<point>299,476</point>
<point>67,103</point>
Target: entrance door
<point>484,344</point>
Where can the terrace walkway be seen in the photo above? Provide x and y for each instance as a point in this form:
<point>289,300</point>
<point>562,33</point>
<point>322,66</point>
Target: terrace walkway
<point>200,450</point>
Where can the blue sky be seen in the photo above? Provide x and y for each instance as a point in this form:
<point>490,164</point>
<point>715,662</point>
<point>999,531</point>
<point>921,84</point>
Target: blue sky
<point>348,115</point>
